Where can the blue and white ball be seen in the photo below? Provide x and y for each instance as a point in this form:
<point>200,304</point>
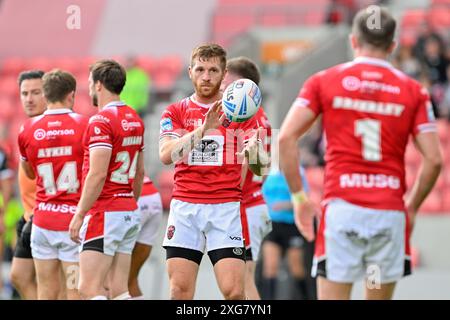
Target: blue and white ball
<point>241,100</point>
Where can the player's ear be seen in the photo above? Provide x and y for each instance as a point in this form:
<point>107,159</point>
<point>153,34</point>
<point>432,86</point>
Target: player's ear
<point>224,73</point>
<point>98,86</point>
<point>71,99</point>
<point>353,41</point>
<point>190,72</point>
<point>392,47</point>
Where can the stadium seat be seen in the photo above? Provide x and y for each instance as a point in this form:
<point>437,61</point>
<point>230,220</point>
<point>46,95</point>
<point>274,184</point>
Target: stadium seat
<point>412,156</point>
<point>12,66</point>
<point>41,63</point>
<point>446,202</point>
<point>440,2</point>
<point>433,203</point>
<point>315,176</point>
<point>83,105</point>
<point>7,109</point>
<point>446,174</point>
<point>9,86</point>
<point>165,186</point>
<point>272,19</point>
<point>443,130</point>
<point>411,173</point>
<point>147,63</point>
<point>69,64</point>
<point>439,18</point>
<point>413,18</point>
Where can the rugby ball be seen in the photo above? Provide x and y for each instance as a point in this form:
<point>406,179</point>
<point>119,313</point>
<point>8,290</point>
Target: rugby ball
<point>241,100</point>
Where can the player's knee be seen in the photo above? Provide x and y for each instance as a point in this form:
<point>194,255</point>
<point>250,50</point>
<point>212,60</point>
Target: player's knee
<point>181,290</point>
<point>87,291</point>
<point>19,279</point>
<point>235,292</point>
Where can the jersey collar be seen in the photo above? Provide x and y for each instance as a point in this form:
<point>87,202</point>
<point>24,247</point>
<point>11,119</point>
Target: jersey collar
<point>115,104</point>
<point>57,111</point>
<point>373,61</point>
<point>205,106</point>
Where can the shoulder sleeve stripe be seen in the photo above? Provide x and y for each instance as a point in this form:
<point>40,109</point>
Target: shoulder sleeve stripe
<point>100,145</point>
<point>169,134</point>
<point>427,127</point>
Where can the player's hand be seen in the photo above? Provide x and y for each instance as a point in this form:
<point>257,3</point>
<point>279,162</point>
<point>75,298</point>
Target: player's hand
<point>250,150</point>
<point>304,215</point>
<point>75,226</point>
<point>214,118</point>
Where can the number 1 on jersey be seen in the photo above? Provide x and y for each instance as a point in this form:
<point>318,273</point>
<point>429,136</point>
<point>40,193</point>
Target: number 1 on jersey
<point>370,132</point>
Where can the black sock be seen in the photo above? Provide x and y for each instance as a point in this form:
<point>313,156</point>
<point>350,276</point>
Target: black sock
<point>302,288</point>
<point>269,288</point>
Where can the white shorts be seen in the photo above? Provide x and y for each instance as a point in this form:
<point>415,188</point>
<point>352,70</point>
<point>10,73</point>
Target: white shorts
<point>49,244</point>
<point>203,227</point>
<point>110,232</point>
<point>354,243</point>
<point>151,215</point>
<point>259,225</point>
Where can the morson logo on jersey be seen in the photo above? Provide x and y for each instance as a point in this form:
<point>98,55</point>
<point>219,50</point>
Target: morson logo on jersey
<point>361,180</point>
<point>351,83</point>
<point>129,125</point>
<point>41,134</point>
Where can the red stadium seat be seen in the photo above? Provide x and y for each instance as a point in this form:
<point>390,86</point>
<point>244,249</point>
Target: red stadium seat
<point>443,130</point>
<point>272,19</point>
<point>41,63</point>
<point>149,64</point>
<point>412,156</point>
<point>315,176</point>
<point>411,174</point>
<point>440,2</point>
<point>83,105</point>
<point>446,174</point>
<point>446,202</point>
<point>439,18</point>
<point>7,108</point>
<point>69,64</point>
<point>165,187</point>
<point>9,87</point>
<point>433,203</point>
<point>413,18</point>
<point>12,66</point>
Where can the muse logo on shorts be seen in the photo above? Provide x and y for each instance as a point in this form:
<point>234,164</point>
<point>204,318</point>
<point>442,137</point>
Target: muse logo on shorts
<point>170,231</point>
